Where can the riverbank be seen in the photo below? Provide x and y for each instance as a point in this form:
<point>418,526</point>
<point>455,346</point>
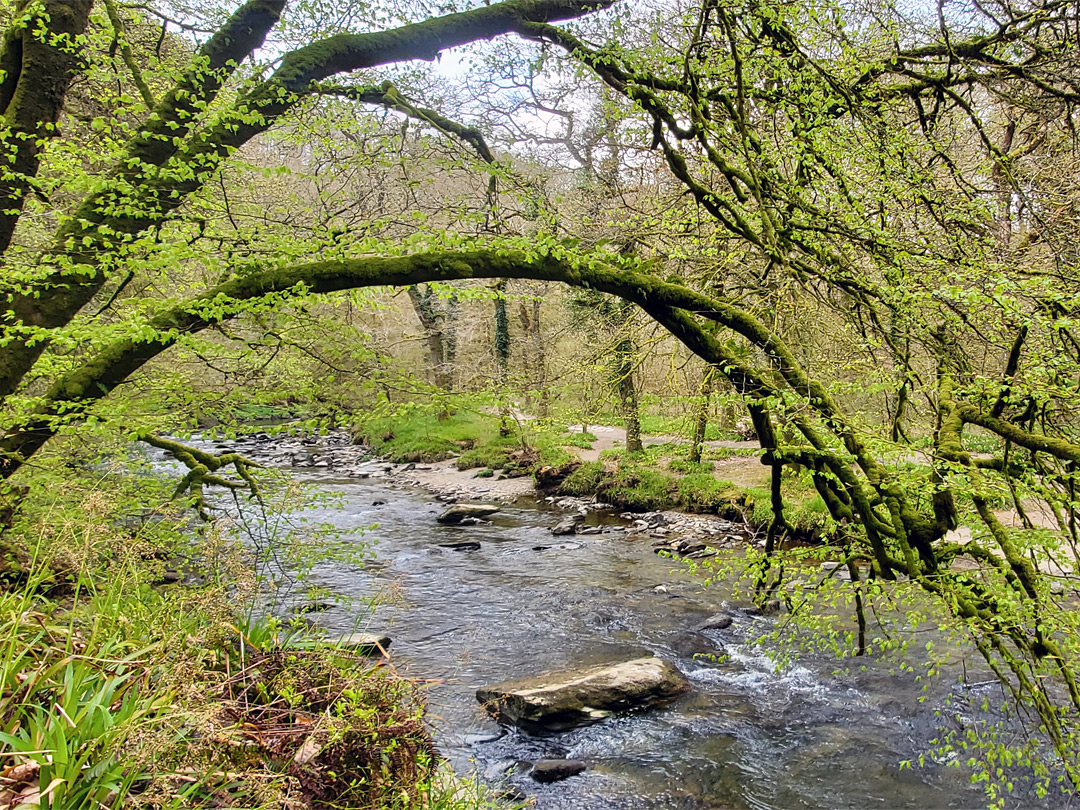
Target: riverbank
<point>140,668</point>
<point>669,529</point>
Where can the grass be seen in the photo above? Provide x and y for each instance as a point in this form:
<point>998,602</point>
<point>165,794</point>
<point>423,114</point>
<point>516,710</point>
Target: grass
<point>701,492</point>
<point>804,509</point>
<point>471,437</point>
<point>618,480</point>
<point>638,488</point>
<point>418,435</point>
<point>685,465</point>
<point>114,692</point>
<point>72,699</point>
<point>578,439</point>
<point>584,481</point>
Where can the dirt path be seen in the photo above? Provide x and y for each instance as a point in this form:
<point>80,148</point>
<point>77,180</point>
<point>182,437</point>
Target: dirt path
<point>742,470</point>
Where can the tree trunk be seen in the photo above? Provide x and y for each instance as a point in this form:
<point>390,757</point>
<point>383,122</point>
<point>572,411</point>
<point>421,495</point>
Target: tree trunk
<point>431,320</point>
<point>527,359</point>
<point>701,416</point>
<point>536,360</point>
<point>627,391</point>
<point>502,357</point>
<point>540,359</point>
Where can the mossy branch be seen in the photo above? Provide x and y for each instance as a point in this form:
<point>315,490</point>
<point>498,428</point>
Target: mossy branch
<point>203,468</point>
<point>120,38</point>
<point>95,230</point>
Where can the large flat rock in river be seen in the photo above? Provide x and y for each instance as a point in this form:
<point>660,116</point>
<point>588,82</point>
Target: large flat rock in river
<point>559,700</point>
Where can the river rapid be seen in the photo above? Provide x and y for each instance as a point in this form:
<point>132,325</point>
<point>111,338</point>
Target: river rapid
<point>749,736</point>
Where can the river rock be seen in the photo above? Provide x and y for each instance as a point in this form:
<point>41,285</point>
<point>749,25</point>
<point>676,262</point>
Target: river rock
<point>466,546</point>
<point>565,526</point>
<point>555,770</point>
<point>367,643</point>
<point>506,767</point>
<point>721,621</point>
<point>693,645</point>
<point>561,700</point>
<point>459,511</point>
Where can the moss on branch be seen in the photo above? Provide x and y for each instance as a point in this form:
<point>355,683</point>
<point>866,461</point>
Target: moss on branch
<point>203,468</point>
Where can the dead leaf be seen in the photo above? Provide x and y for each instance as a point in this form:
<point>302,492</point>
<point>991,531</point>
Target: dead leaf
<point>21,772</point>
<point>308,751</point>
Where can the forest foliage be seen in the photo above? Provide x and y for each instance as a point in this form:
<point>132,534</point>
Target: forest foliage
<point>858,219</point>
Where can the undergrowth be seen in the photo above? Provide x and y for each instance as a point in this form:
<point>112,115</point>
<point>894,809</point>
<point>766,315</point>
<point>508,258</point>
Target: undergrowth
<point>118,691</point>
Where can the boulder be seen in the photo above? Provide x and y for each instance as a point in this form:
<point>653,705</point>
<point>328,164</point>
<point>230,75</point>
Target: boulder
<point>694,645</point>
<point>459,511</point>
<point>561,700</point>
<point>555,770</point>
<point>365,643</point>
<point>721,621</point>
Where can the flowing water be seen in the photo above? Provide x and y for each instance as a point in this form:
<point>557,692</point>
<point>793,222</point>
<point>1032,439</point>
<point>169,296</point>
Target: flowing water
<point>747,736</point>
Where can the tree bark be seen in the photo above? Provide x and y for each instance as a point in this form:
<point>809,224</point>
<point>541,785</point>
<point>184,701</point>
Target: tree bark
<point>502,357</point>
<point>74,268</point>
<point>628,400</point>
<point>38,68</point>
<point>535,360</point>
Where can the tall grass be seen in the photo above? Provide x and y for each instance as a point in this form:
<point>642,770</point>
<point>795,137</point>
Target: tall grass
<point>72,695</point>
<point>116,693</point>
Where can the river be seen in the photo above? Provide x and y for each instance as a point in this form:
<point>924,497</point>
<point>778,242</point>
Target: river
<point>747,737</point>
